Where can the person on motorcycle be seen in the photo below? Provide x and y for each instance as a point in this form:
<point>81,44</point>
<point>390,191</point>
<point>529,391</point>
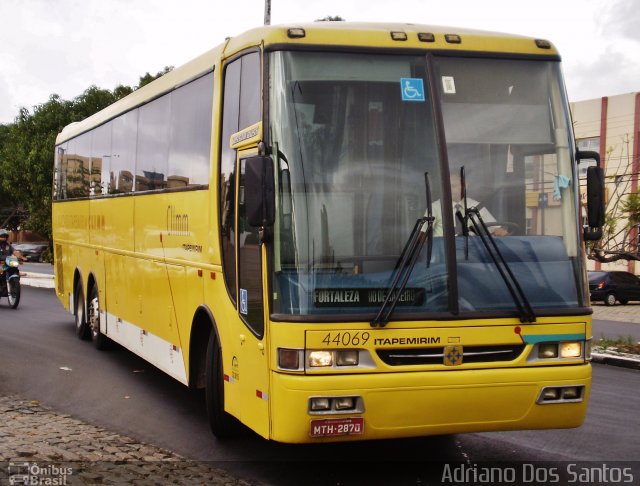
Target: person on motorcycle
<point>7,249</point>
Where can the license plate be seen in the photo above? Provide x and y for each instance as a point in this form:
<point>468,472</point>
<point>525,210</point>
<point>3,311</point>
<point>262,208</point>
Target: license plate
<point>337,426</point>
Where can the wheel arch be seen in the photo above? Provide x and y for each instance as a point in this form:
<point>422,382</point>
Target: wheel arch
<point>202,326</point>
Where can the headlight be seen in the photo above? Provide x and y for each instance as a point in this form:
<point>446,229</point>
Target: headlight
<point>320,359</point>
<point>570,350</point>
<point>292,359</point>
<point>561,350</point>
<point>547,350</point>
<point>348,357</point>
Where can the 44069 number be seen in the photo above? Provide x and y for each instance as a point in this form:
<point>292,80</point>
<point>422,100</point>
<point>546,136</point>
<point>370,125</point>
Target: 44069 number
<point>346,338</point>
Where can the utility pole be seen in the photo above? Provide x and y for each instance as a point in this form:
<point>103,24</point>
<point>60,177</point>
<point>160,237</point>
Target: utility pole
<point>267,12</point>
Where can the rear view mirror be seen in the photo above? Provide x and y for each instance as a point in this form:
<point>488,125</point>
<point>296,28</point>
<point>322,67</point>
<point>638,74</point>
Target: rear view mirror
<point>595,202</point>
<point>595,197</point>
<point>259,191</point>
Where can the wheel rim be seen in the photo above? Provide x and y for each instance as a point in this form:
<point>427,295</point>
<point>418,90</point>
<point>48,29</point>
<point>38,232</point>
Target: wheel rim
<point>611,299</point>
<point>12,293</point>
<point>94,317</point>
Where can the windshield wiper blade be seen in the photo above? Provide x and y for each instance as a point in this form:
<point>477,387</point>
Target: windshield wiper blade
<point>513,286</point>
<point>422,232</point>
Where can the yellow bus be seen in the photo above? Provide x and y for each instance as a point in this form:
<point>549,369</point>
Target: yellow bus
<point>266,223</point>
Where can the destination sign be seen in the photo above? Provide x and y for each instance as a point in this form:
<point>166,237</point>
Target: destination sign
<point>364,297</point>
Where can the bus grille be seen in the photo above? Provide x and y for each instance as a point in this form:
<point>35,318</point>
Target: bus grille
<point>434,356</point>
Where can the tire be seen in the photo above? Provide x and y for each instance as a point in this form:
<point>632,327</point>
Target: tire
<point>100,341</point>
<point>223,425</point>
<point>610,299</point>
<point>13,292</point>
<point>82,330</point>
<point>623,301</point>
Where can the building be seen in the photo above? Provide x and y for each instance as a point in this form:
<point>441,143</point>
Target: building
<point>611,126</point>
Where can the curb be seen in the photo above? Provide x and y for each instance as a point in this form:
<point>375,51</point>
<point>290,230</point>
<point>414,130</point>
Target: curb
<point>40,280</point>
<point>613,360</point>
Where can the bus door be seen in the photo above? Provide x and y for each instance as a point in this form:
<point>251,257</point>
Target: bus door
<point>241,249</point>
<point>253,360</point>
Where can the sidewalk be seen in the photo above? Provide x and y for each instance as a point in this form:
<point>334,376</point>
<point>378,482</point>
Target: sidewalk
<point>41,446</point>
<point>621,313</point>
<point>31,279</point>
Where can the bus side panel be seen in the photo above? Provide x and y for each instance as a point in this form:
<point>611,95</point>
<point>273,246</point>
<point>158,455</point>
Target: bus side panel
<point>171,235</point>
<point>71,223</point>
<point>141,315</point>
<point>111,223</point>
<point>173,226</point>
<point>114,234</point>
<point>227,324</point>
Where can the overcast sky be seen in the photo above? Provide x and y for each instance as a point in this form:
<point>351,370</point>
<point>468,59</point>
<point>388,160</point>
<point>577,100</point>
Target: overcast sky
<point>65,46</point>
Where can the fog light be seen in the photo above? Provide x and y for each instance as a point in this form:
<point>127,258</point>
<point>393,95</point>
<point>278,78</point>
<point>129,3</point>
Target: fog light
<point>551,394</point>
<point>347,358</point>
<point>547,350</point>
<point>288,359</point>
<point>320,403</point>
<point>320,359</point>
<point>344,403</point>
<point>570,393</point>
<point>570,350</point>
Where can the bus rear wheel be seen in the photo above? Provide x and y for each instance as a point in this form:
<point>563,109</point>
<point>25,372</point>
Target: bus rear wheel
<point>100,341</point>
<point>82,330</point>
<point>222,424</point>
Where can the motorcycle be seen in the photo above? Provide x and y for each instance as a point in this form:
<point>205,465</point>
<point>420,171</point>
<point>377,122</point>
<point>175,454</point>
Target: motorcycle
<point>10,281</point>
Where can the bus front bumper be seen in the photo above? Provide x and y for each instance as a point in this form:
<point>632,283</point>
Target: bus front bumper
<point>413,404</point>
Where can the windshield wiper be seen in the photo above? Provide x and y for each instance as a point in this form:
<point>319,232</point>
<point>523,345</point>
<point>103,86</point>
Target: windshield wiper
<point>480,228</point>
<point>513,286</point>
<point>422,232</point>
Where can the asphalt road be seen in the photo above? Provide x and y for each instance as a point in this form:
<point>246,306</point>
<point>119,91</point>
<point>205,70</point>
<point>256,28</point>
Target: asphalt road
<point>40,358</point>
<point>615,329</point>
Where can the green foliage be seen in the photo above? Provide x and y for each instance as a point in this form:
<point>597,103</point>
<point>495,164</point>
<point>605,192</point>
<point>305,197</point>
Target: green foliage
<point>331,18</point>
<point>631,205</point>
<point>27,151</point>
<point>147,78</point>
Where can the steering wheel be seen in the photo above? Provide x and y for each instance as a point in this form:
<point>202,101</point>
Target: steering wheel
<point>509,227</point>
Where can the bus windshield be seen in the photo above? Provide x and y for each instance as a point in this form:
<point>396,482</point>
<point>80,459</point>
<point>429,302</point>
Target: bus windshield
<point>353,136</point>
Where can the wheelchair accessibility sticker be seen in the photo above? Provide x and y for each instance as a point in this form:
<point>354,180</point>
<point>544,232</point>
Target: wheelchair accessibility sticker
<point>244,302</point>
<point>412,89</point>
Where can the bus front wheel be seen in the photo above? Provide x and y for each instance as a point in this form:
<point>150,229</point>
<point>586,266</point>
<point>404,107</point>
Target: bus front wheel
<point>223,425</point>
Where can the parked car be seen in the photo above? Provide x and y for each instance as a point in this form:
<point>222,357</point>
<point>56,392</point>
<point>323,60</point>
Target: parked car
<point>31,251</point>
<point>612,287</point>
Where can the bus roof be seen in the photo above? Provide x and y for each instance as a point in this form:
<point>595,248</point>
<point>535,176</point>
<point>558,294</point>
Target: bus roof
<point>328,34</point>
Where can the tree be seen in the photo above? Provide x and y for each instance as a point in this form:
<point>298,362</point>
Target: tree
<point>27,151</point>
<point>622,244</point>
<point>147,78</point>
<point>331,18</point>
